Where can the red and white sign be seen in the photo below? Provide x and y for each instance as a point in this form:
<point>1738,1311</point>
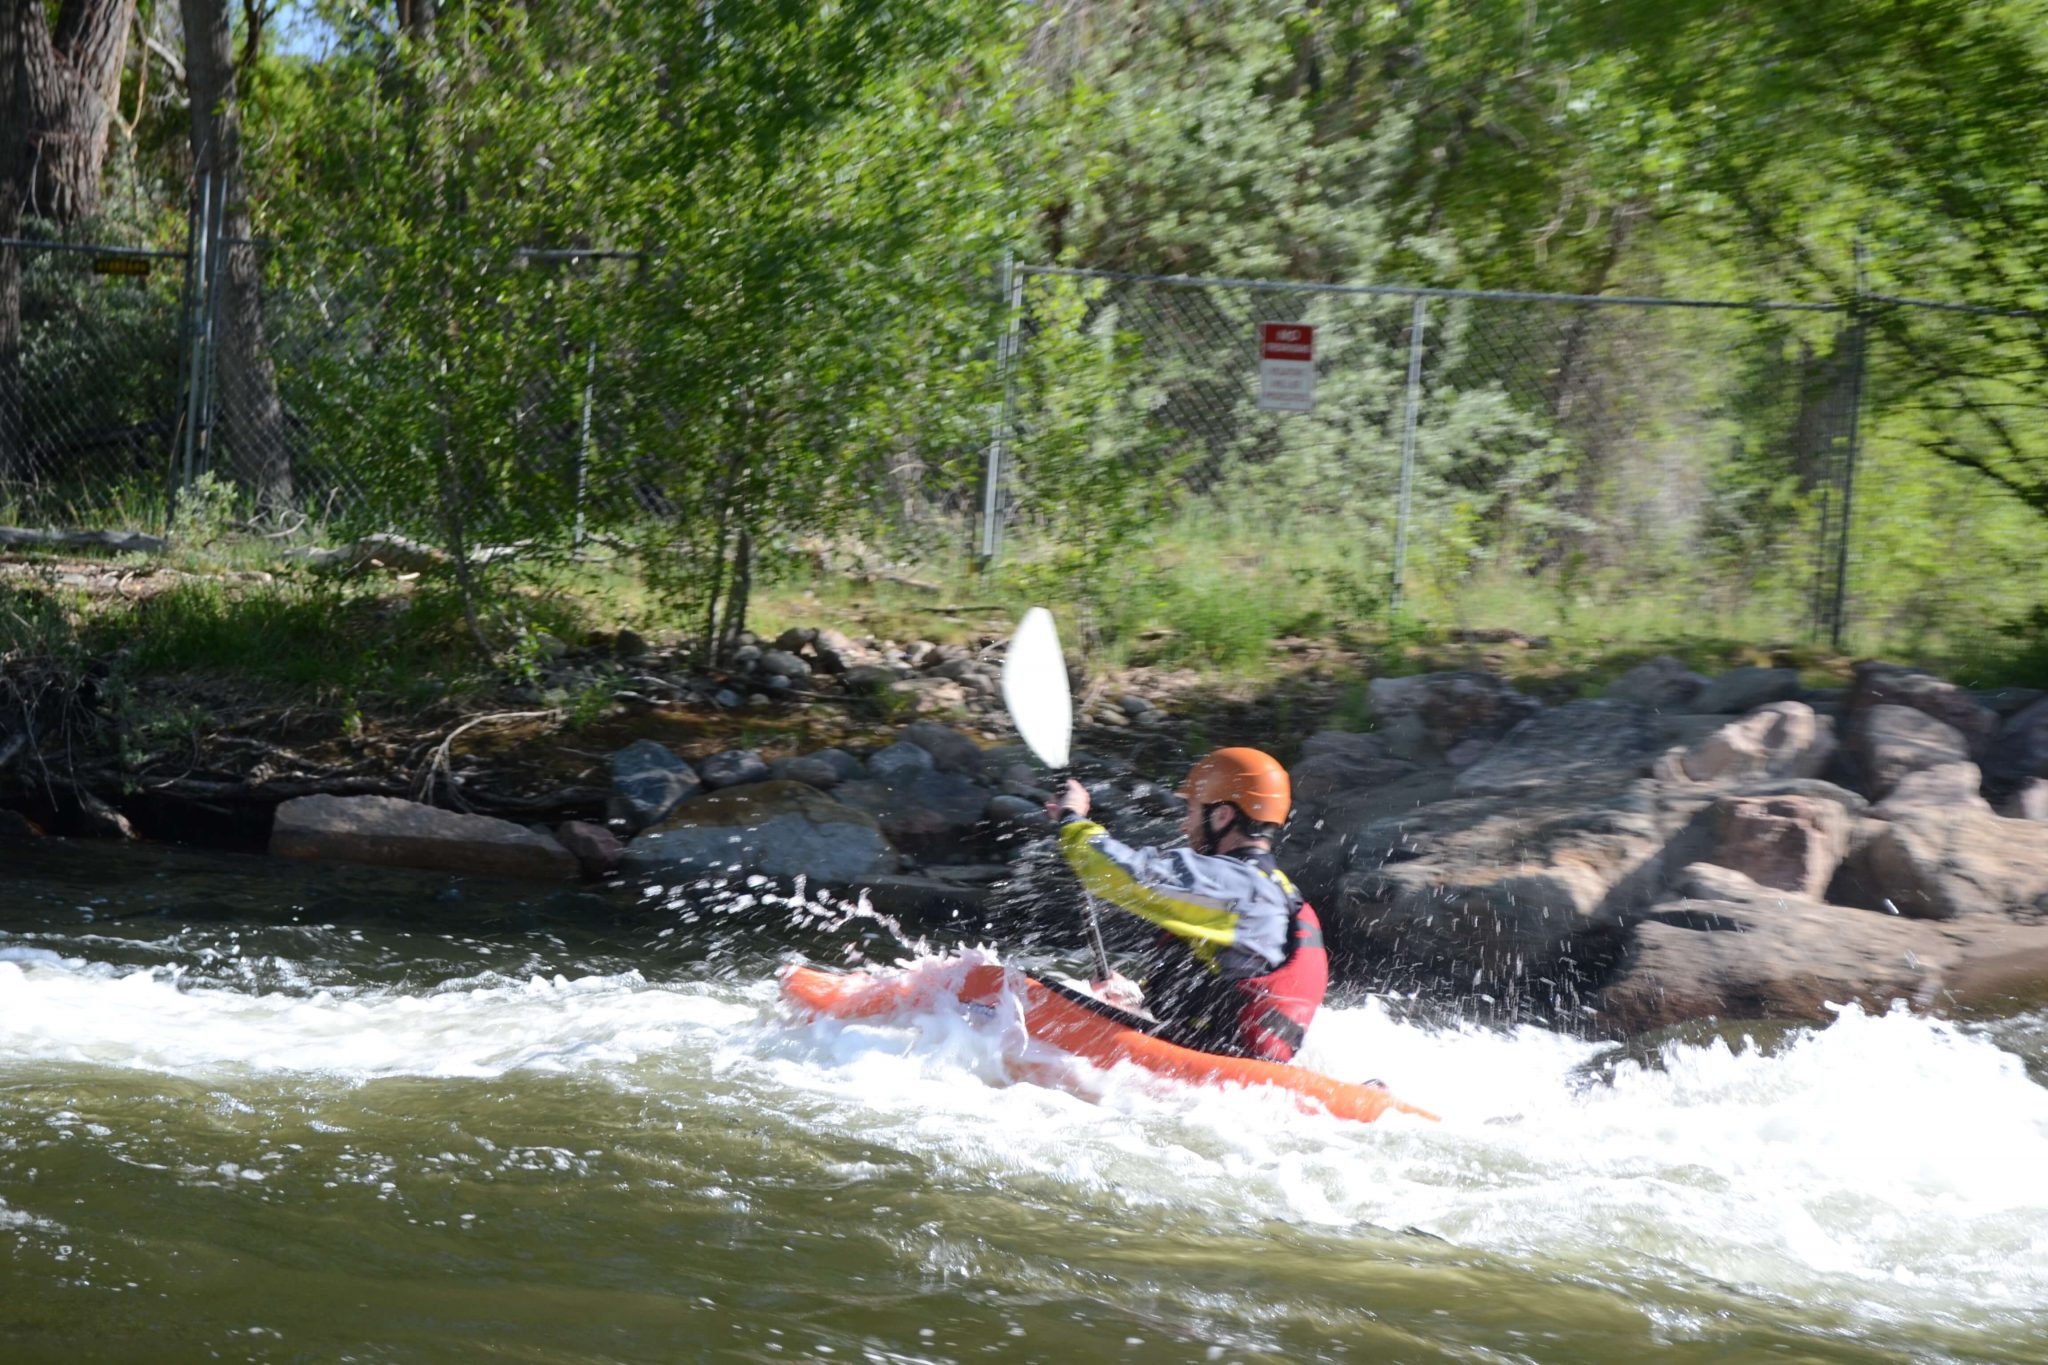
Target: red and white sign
<point>1287,366</point>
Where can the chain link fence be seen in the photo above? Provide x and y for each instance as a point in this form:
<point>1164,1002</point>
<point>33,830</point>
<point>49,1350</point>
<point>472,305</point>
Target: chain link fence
<point>91,351</point>
<point>1636,466</point>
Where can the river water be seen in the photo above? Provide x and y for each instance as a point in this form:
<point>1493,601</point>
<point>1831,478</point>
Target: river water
<point>259,1111</point>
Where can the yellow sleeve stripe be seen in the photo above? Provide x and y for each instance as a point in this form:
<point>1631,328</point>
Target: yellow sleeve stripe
<point>1207,927</point>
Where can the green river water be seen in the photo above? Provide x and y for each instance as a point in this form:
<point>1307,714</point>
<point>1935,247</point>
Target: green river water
<point>263,1111</point>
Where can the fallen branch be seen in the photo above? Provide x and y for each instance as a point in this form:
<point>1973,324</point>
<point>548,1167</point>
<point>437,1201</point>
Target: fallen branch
<point>438,766</point>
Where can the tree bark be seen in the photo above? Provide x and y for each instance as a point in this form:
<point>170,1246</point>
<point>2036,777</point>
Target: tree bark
<point>57,91</point>
<point>252,427</point>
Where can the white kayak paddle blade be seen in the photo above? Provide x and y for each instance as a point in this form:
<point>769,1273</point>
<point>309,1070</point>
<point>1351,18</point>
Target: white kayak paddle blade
<point>1035,689</point>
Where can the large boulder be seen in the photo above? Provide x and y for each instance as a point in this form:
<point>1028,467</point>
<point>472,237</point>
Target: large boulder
<point>952,751</point>
<point>921,811</point>
<point>1934,863</point>
<point>1338,761</point>
<point>1886,742</point>
<point>776,829</point>
<point>900,761</point>
<point>733,768</point>
<point>1426,716</point>
<point>807,769</point>
<point>1949,786</point>
<point>2019,752</point>
<point>389,832</point>
<point>1662,684</point>
<point>1881,684</point>
<point>648,781</point>
<point>1729,949</point>
<point>2030,802</point>
<point>1784,843</point>
<point>1744,689</point>
<point>1784,739</point>
<point>1523,896</point>
<point>1579,743</point>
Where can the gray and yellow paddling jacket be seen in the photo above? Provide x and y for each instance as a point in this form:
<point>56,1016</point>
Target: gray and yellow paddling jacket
<point>1238,915</point>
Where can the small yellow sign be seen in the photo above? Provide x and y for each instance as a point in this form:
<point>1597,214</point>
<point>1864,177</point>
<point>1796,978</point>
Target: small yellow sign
<point>136,267</point>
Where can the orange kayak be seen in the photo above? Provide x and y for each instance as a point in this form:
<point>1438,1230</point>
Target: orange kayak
<point>1077,1023</point>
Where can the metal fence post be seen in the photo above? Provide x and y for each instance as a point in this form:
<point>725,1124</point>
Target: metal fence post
<point>583,447</point>
<point>1859,333</point>
<point>1411,410</point>
<point>1011,284</point>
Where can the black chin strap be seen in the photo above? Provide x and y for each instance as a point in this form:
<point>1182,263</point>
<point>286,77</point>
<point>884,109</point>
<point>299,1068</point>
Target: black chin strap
<point>1211,837</point>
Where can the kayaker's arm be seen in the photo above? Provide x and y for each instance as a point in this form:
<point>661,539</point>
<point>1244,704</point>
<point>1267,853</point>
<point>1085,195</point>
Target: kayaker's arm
<point>1168,891</point>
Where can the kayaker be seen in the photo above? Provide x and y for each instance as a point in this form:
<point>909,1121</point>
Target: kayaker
<point>1240,967</point>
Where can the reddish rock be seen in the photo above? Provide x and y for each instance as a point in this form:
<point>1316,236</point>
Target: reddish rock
<point>1786,843</point>
<point>598,851</point>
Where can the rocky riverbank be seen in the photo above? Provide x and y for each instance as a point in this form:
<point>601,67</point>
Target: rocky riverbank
<point>1679,848</point>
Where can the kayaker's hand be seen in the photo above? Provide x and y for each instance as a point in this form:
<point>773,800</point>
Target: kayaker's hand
<point>1072,797</point>
<point>1119,990</point>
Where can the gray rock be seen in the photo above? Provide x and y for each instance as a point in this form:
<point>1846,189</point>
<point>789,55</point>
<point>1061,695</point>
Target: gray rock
<point>1887,742</point>
<point>1578,743</point>
<point>2007,702</point>
<point>1334,762</point>
<point>1662,684</point>
<point>2030,802</point>
<point>1016,811</point>
<point>1951,785</point>
<point>597,850</point>
<point>1785,843</point>
<point>836,652</point>
<point>726,697</point>
<point>901,760</point>
<point>2020,750</point>
<point>1852,803</point>
<point>1881,684</point>
<point>1745,689</point>
<point>1136,707</point>
<point>1783,739</point>
<point>648,781</point>
<point>783,662</point>
<point>844,763</point>
<point>869,680</point>
<point>1424,717</point>
<point>388,832</point>
<point>747,655</point>
<point>952,751</point>
<point>732,768</point>
<point>1506,894</point>
<point>1935,863</point>
<point>921,812</point>
<point>775,829</point>
<point>812,772</point>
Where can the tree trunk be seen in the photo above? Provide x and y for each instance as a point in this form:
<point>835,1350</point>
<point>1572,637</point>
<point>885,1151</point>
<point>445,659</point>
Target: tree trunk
<point>252,427</point>
<point>57,90</point>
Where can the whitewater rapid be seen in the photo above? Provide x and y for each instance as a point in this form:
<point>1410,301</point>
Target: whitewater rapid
<point>1892,1168</point>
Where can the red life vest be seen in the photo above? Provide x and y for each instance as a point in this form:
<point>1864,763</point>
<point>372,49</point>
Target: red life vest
<point>1279,1005</point>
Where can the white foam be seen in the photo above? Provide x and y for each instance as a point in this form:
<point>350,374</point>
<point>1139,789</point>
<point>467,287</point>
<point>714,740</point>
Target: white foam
<point>55,1009</point>
<point>1892,1165</point>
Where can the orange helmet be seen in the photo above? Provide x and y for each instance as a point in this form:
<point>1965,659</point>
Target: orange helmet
<point>1252,781</point>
